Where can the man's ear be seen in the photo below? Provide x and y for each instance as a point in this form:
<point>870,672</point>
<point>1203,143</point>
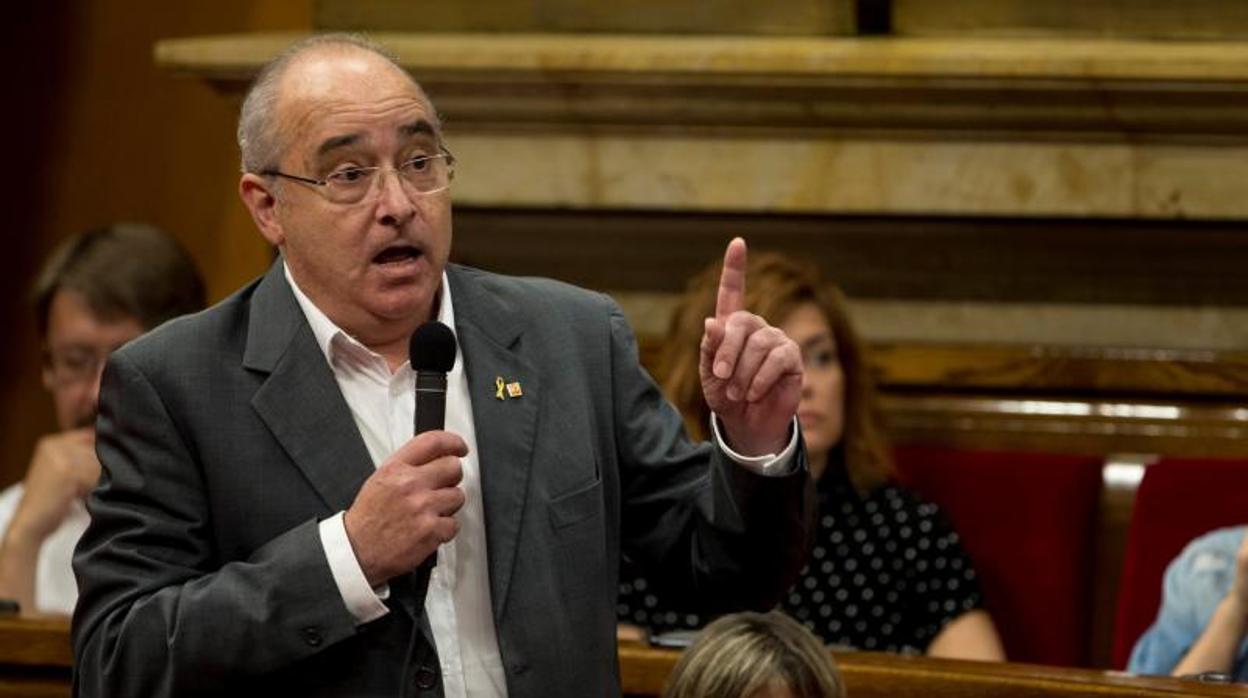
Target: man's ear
<point>257,194</point>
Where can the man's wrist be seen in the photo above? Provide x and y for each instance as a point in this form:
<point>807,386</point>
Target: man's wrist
<point>773,463</point>
<point>750,447</point>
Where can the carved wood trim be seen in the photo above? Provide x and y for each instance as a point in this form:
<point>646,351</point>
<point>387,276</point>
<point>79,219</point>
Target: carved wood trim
<point>1047,89</point>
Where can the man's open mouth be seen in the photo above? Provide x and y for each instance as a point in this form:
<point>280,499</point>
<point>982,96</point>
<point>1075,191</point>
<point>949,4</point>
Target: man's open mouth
<point>397,253</point>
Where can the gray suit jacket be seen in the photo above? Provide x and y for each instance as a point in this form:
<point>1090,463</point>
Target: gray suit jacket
<point>224,440</point>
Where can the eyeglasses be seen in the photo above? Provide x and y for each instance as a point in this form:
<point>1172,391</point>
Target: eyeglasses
<point>73,365</point>
<point>423,175</point>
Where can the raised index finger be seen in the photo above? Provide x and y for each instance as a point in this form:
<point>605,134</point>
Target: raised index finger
<point>731,296</point>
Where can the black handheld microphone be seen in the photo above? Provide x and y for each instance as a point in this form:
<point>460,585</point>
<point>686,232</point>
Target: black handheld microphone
<point>431,352</point>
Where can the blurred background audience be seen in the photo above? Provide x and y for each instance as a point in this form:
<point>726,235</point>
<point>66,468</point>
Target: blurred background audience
<point>1202,626</point>
<point>96,291</point>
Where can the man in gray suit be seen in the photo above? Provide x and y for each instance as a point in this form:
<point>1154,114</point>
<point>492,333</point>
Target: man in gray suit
<point>264,504</point>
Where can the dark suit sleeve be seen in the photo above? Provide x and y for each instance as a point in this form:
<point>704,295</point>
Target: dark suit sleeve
<point>714,534</point>
<point>157,614</point>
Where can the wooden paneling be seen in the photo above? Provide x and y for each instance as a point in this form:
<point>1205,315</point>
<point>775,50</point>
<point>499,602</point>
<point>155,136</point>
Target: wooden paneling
<point>964,89</point>
<point>35,658</point>
<point>1173,19</point>
<point>35,662</point>
<point>1011,398</point>
<point>35,642</point>
<point>1077,425</point>
<point>1062,370</point>
<point>1086,400</point>
<point>25,410</point>
<point>110,136</point>
<point>780,17</point>
<point>1054,260</point>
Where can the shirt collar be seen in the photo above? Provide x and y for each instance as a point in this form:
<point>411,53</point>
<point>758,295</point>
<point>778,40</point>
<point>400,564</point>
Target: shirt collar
<point>331,338</point>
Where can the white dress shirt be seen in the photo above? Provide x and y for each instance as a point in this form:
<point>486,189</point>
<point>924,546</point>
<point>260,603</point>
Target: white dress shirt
<point>383,405</point>
<point>56,591</point>
<point>458,602</point>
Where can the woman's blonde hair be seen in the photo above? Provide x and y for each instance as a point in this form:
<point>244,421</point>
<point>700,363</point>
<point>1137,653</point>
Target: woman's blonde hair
<point>741,654</point>
<point>775,286</point>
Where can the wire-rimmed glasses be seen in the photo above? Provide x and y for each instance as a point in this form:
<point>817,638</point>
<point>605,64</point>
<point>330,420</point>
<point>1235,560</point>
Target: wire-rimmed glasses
<point>421,175</point>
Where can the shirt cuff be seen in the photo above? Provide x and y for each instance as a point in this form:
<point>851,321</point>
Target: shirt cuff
<point>361,600</point>
<point>768,464</point>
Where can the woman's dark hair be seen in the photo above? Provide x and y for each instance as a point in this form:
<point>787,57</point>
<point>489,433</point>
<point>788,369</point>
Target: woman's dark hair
<point>775,286</point>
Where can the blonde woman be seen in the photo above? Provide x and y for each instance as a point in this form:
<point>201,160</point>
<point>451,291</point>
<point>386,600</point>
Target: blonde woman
<point>755,655</point>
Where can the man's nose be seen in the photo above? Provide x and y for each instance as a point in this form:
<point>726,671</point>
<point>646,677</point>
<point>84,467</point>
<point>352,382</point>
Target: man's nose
<point>394,204</point>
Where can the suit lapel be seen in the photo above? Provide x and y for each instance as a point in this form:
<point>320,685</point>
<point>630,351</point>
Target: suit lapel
<point>490,336</point>
<point>301,404</point>
<point>300,401</point>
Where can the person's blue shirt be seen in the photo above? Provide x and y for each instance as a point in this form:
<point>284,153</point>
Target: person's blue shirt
<point>1195,583</point>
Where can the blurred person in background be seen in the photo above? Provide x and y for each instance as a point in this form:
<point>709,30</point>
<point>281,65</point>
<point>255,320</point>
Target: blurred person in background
<point>887,572</point>
<point>97,291</point>
<point>1202,626</point>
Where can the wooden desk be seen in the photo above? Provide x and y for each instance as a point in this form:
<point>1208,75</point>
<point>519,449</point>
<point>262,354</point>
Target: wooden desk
<point>36,661</point>
<point>35,658</point>
<point>643,670</point>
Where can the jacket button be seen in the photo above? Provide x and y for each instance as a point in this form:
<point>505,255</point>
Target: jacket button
<point>312,636</point>
<point>426,678</point>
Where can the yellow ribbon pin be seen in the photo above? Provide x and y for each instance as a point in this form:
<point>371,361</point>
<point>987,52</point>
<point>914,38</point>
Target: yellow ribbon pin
<point>498,388</point>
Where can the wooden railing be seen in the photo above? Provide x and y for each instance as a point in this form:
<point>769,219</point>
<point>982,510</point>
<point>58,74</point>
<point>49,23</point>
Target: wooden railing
<point>1090,400</point>
<point>35,658</point>
<point>36,661</point>
<point>1085,400</point>
<point>644,669</point>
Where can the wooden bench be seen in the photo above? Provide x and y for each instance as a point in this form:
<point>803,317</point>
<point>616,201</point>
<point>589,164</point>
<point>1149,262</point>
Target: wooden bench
<point>35,658</point>
<point>643,671</point>
<point>35,662</point>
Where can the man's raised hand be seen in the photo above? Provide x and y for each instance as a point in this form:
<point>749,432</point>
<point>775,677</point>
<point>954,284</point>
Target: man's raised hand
<point>751,372</point>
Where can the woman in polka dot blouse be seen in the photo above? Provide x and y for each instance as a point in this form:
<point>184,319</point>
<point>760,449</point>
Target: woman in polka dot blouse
<point>887,572</point>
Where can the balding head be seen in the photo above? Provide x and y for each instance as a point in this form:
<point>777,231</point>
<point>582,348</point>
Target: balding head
<point>328,113</point>
<point>318,67</point>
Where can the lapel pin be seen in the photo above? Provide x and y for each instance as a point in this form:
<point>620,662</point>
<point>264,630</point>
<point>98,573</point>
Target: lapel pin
<point>498,388</point>
<point>513,389</point>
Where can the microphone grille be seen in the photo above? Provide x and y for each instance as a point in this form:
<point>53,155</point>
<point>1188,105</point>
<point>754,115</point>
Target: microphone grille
<point>432,348</point>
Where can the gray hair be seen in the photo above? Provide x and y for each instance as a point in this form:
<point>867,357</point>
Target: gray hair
<point>259,142</point>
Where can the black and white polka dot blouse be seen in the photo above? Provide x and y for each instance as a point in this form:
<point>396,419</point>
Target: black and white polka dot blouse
<point>886,574</point>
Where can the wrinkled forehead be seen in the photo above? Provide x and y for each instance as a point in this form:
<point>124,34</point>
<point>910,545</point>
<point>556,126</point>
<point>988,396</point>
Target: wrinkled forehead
<point>336,89</point>
<point>335,71</point>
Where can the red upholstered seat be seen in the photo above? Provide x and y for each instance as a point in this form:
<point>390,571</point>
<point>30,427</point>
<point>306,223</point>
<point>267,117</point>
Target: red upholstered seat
<point>1178,500</point>
<point>1028,521</point>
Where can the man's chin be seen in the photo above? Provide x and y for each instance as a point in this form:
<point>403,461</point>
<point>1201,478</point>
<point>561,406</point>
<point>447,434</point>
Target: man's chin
<point>402,303</point>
